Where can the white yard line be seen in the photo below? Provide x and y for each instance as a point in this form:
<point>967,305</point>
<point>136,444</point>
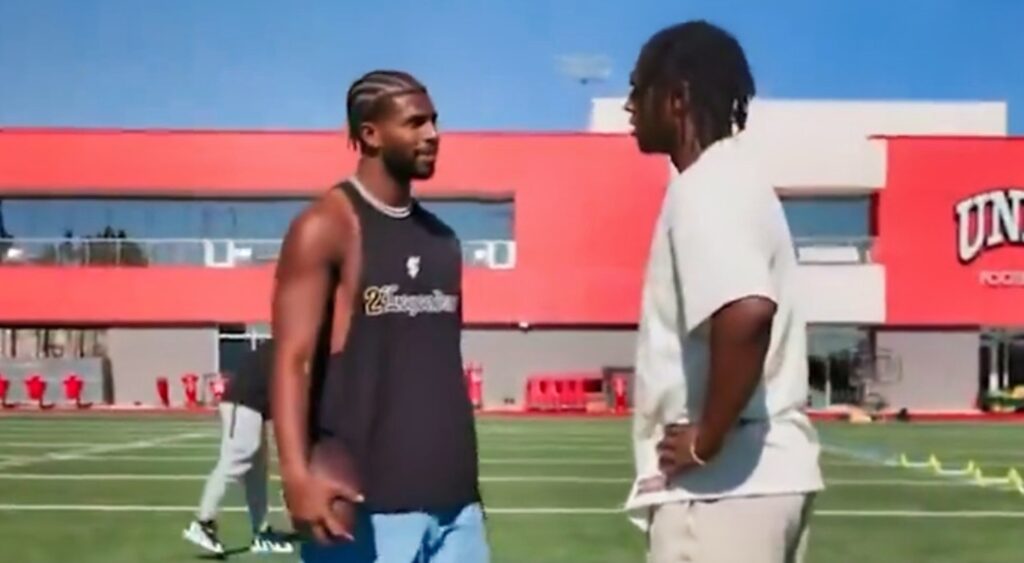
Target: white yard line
<point>961,480</point>
<point>167,508</point>
<point>213,444</point>
<point>537,438</point>
<point>518,432</point>
<point>95,449</point>
<point>894,483</point>
<point>195,477</point>
<point>100,433</point>
<point>101,477</point>
<point>997,453</point>
<point>569,479</point>
<point>111,436</point>
<point>157,444</point>
<point>571,461</point>
<point>153,458</point>
<point>851,463</point>
<point>42,445</point>
<point>41,427</point>
<point>957,453</point>
<point>553,479</point>
<point>624,462</point>
<point>623,449</point>
<point>922,513</point>
<point>536,511</point>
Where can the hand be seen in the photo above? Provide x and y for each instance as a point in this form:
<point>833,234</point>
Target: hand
<point>310,499</point>
<point>675,450</point>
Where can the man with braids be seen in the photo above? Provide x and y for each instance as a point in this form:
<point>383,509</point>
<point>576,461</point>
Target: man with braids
<point>367,317</point>
<point>726,459</point>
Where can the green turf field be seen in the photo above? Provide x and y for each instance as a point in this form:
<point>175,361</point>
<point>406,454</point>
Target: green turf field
<point>120,489</point>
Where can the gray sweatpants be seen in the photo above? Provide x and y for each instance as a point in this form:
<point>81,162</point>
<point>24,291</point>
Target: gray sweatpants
<point>243,455</point>
<point>769,529</point>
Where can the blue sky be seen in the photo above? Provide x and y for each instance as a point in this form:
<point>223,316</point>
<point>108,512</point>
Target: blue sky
<point>490,64</point>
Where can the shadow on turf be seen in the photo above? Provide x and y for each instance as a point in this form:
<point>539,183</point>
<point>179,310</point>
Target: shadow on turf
<point>225,555</point>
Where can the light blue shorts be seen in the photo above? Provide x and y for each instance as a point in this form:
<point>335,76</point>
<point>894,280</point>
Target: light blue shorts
<point>448,536</point>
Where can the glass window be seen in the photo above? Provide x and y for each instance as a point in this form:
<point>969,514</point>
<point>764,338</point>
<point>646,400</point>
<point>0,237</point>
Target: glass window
<point>475,219</point>
<point>34,343</point>
<point>843,364</point>
<point>828,217</point>
<point>168,218</point>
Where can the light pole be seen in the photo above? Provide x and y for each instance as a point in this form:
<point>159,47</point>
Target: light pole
<point>588,71</point>
<point>585,69</point>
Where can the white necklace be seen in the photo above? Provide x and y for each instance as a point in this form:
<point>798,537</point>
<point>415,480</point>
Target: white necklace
<point>389,210</point>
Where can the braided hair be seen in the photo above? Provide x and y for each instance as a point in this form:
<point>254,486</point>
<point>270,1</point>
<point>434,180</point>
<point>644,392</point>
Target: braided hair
<point>367,98</point>
<point>709,66</point>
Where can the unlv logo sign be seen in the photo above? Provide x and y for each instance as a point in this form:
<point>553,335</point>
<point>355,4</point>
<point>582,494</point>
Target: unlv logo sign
<point>987,221</point>
<point>951,231</point>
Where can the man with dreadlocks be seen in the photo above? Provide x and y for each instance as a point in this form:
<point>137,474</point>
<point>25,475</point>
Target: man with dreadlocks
<point>726,459</point>
<point>367,318</point>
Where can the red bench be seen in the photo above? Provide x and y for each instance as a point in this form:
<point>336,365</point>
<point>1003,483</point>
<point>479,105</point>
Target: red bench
<point>163,391</point>
<point>191,384</point>
<point>74,386</point>
<point>566,392</point>
<point>576,392</point>
<point>474,375</point>
<point>35,388</point>
<point>5,388</point>
<point>218,386</point>
<point>540,394</point>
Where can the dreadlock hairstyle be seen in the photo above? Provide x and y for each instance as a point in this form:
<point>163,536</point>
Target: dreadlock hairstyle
<point>368,95</point>
<point>708,64</point>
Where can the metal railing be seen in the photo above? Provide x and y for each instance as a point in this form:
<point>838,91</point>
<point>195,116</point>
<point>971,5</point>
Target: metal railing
<point>834,250</point>
<point>212,253</point>
<point>231,253</point>
<point>138,252</point>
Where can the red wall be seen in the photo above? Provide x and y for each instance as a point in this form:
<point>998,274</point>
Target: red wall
<point>584,209</point>
<point>925,281</point>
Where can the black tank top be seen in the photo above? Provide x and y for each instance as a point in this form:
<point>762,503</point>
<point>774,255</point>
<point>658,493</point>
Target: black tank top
<point>395,395</point>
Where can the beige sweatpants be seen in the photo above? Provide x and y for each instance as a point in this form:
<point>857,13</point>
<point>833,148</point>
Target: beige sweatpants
<point>243,455</point>
<point>770,529</point>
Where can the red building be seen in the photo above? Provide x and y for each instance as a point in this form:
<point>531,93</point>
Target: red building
<point>558,228</point>
<point>155,251</point>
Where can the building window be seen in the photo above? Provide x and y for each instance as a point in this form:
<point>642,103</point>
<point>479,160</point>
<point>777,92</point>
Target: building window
<point>831,229</point>
<point>830,217</point>
<point>140,218</point>
<point>476,220</point>
<point>212,232</point>
<point>485,228</point>
<point>213,218</point>
<point>38,343</point>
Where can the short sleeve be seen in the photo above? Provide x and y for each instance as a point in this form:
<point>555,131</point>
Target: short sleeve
<point>722,248</point>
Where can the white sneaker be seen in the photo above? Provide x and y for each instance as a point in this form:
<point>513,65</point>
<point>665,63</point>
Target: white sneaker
<point>204,535</point>
<point>269,541</point>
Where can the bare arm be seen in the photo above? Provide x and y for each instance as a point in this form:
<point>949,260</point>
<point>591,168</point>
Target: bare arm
<point>740,334</point>
<point>301,292</point>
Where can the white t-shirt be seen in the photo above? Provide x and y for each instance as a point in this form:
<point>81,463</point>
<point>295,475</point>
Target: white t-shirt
<point>722,236</point>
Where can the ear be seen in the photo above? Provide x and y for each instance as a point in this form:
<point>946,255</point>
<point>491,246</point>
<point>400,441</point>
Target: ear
<point>679,99</point>
<point>370,135</point>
